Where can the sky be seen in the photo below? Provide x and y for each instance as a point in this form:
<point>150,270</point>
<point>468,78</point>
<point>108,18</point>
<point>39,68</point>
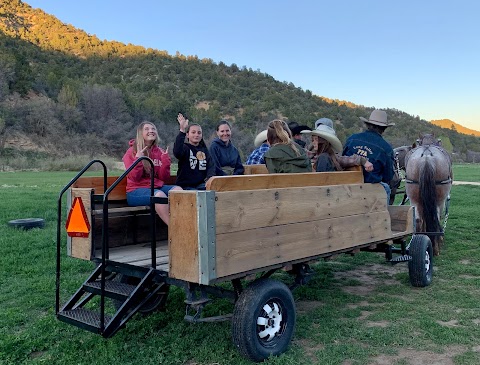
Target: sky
<point>418,56</point>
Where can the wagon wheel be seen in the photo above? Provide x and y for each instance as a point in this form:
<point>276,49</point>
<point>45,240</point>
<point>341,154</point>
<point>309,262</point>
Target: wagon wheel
<point>158,301</point>
<point>263,319</point>
<point>420,267</point>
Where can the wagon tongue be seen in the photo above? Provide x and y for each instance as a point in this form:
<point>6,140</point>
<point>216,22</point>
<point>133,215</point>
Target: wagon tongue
<point>402,258</point>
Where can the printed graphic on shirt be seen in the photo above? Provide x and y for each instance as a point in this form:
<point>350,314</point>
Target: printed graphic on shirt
<point>363,151</point>
<point>157,162</point>
<point>200,159</point>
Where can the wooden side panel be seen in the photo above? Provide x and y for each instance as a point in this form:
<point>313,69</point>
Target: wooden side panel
<point>242,251</point>
<point>243,210</point>
<point>81,247</point>
<point>255,169</point>
<point>183,236</point>
<point>271,181</point>
<point>402,217</point>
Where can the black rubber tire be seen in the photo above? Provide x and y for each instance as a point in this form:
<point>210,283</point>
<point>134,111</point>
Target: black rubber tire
<point>27,223</point>
<point>250,310</point>
<point>158,301</point>
<point>420,267</point>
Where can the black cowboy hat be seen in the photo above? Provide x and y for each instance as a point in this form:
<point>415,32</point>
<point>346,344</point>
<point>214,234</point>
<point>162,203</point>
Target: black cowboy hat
<point>296,128</point>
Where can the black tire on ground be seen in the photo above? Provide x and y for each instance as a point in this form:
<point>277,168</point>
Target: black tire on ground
<point>157,302</point>
<point>420,267</point>
<point>27,223</point>
<point>263,320</point>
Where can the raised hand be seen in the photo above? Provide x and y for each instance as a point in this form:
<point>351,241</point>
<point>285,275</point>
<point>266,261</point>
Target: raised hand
<point>141,153</point>
<point>182,121</point>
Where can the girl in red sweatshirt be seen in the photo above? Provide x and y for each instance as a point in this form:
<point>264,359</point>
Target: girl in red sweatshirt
<point>138,180</point>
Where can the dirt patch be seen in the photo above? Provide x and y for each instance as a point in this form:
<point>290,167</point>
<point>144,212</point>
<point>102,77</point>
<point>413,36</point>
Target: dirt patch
<point>465,262</point>
<point>370,276</point>
<point>307,306</point>
<point>468,277</point>
<point>450,324</point>
<point>310,348</point>
<point>414,357</point>
<point>380,324</point>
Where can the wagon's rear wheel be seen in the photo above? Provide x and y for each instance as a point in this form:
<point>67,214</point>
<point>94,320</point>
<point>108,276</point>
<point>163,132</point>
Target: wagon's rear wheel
<point>420,267</point>
<point>263,319</point>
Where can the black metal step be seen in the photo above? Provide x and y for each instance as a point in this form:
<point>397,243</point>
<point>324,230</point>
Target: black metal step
<point>113,289</point>
<point>83,318</point>
<point>402,258</point>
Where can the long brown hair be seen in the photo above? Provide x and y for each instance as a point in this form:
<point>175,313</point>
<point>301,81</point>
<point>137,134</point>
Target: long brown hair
<point>279,133</point>
<point>140,143</point>
<point>326,147</point>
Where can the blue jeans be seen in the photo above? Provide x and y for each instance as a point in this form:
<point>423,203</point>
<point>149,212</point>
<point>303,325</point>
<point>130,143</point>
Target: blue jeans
<point>141,196</point>
<point>387,190</point>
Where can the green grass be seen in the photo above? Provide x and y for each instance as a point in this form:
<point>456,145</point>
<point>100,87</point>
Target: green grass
<point>466,172</point>
<point>354,310</point>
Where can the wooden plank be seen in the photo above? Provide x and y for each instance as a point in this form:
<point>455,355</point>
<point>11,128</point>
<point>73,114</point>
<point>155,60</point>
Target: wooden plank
<point>255,169</point>
<point>402,217</point>
<point>119,193</point>
<point>270,181</point>
<point>242,210</point>
<point>242,251</point>
<point>183,236</point>
<point>81,247</point>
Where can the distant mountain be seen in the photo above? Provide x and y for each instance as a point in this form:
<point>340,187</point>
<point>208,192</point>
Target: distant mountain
<point>447,123</point>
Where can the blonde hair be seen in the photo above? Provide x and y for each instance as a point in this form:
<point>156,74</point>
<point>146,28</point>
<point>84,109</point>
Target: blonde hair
<point>279,133</point>
<point>140,143</point>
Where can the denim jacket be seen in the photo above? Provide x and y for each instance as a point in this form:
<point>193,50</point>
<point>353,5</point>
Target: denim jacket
<point>371,145</point>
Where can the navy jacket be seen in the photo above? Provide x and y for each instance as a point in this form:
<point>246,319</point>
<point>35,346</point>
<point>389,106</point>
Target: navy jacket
<point>371,145</point>
<point>224,155</point>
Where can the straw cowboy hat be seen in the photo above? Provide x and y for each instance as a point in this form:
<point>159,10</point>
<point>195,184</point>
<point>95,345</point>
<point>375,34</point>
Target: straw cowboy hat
<point>297,129</point>
<point>260,138</point>
<point>378,117</point>
<point>327,133</point>
<point>325,121</point>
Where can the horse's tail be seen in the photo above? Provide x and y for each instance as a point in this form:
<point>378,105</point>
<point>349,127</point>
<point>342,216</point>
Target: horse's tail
<point>428,197</point>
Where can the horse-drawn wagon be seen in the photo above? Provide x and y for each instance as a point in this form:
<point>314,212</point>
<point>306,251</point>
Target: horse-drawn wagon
<point>240,230</point>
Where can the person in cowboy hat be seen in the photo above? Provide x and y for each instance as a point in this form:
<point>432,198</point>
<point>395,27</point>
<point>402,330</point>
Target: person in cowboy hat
<point>262,146</point>
<point>296,129</point>
<point>372,145</point>
<point>326,150</point>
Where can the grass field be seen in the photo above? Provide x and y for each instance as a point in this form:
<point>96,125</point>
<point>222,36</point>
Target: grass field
<point>356,310</point>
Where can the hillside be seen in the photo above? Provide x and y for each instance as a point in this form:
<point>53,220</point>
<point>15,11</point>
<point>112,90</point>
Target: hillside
<point>447,123</point>
<point>72,93</point>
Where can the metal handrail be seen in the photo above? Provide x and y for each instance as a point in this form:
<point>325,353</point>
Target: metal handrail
<point>59,221</point>
<point>105,238</point>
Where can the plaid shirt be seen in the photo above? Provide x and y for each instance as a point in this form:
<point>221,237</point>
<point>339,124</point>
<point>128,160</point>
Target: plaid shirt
<point>256,157</point>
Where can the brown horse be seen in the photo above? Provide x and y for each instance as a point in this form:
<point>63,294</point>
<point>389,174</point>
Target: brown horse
<point>428,182</point>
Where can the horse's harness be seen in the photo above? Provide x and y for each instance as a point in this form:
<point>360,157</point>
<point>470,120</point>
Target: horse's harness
<point>448,180</point>
<point>441,182</point>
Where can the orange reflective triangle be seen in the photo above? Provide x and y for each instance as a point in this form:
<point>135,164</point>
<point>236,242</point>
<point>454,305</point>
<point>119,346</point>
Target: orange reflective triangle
<point>77,222</point>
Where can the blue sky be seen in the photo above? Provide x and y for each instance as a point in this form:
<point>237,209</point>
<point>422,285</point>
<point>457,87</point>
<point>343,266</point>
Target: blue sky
<point>418,56</point>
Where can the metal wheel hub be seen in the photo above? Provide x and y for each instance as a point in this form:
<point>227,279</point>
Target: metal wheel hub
<point>427,261</point>
<point>270,322</point>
